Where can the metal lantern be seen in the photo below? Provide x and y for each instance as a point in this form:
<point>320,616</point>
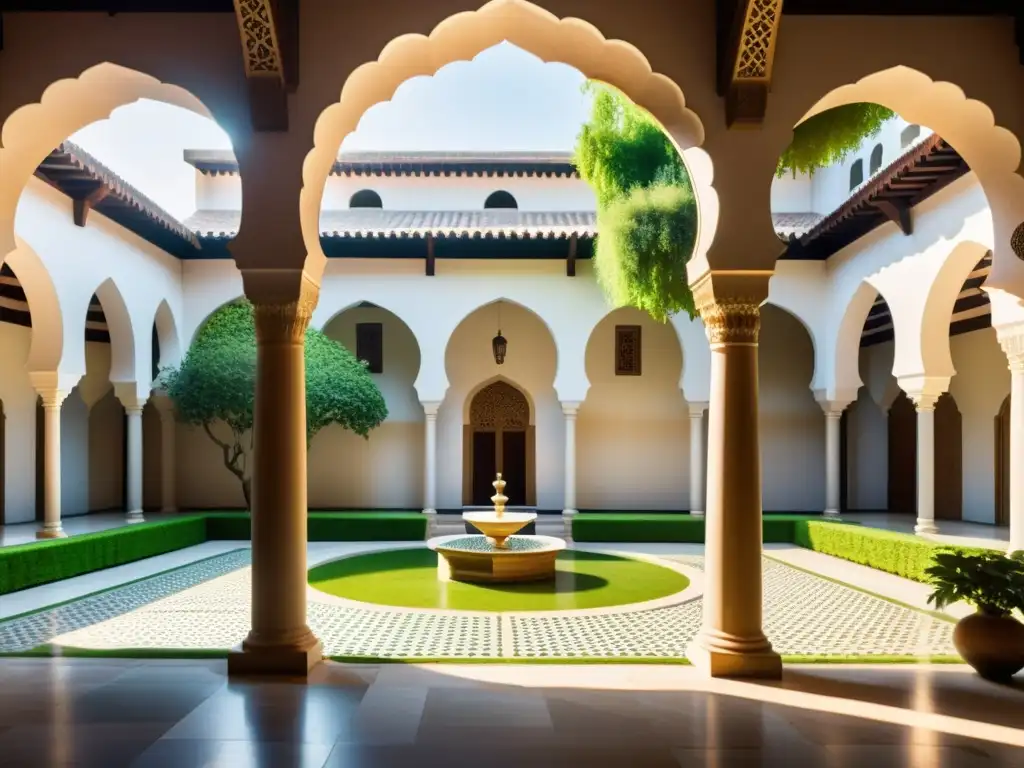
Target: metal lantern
<point>499,345</point>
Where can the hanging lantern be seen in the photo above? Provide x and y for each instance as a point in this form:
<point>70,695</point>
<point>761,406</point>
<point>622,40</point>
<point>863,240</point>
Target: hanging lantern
<point>499,345</point>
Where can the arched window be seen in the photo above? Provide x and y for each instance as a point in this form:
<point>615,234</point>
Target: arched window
<point>909,135</point>
<point>500,199</point>
<point>856,174</point>
<point>876,159</point>
<point>365,198</point>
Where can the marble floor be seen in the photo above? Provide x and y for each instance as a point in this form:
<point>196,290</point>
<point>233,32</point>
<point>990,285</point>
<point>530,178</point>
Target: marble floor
<point>181,714</point>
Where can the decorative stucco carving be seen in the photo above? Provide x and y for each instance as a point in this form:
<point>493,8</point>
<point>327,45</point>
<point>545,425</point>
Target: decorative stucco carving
<point>757,40</point>
<point>259,41</point>
<point>1017,241</point>
<point>287,321</point>
<point>727,320</point>
<point>499,406</point>
<point>627,350</point>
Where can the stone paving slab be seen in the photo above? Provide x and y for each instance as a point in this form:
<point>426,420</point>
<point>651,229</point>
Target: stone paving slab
<point>206,606</point>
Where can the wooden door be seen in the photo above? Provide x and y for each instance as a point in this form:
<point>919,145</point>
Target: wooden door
<point>1003,464</point>
<point>948,460</point>
<point>513,466</point>
<point>903,456</point>
<point>485,463</point>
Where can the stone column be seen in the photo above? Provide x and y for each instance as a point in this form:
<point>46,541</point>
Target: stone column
<point>833,448</point>
<point>697,452</point>
<point>430,466</point>
<point>52,401</point>
<point>1013,346</point>
<point>925,405</point>
<point>570,409</point>
<point>133,464</point>
<point>168,470</point>
<point>279,641</point>
<point>732,641</point>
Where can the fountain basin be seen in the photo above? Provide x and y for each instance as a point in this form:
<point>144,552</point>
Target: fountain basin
<point>476,559</point>
<point>498,527</point>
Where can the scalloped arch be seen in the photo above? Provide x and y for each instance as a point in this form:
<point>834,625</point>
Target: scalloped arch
<point>31,132</point>
<point>992,152</point>
<point>47,345</point>
<point>462,36</point>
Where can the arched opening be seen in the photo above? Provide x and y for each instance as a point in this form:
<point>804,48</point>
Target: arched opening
<point>1002,464</point>
<point>499,438</point>
<point>791,422</point>
<point>463,36</point>
<point>632,431</point>
<point>909,135</point>
<point>500,199</point>
<point>856,174</point>
<point>365,198</point>
<point>377,335</point>
<point>948,458</point>
<point>528,369</point>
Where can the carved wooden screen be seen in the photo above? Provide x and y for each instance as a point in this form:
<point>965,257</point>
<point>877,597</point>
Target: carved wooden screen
<point>627,350</point>
<point>499,406</point>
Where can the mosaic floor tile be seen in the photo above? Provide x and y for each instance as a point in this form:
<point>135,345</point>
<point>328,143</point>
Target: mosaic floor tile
<point>206,605</point>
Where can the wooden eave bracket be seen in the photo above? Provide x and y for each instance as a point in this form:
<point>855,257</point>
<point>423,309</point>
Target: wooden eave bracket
<point>269,36</point>
<point>81,206</point>
<point>430,266</point>
<point>748,32</point>
<point>570,259</point>
<point>898,213</point>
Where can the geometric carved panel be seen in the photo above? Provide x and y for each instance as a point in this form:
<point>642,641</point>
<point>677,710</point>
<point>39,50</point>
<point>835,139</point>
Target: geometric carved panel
<point>1017,241</point>
<point>627,350</point>
<point>499,406</point>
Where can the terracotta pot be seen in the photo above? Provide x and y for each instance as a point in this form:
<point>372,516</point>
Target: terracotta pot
<point>993,645</point>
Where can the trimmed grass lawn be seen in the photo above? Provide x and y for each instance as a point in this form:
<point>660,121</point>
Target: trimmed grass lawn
<point>407,578</point>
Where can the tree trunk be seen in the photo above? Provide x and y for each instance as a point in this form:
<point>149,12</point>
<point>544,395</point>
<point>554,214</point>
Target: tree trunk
<point>247,492</point>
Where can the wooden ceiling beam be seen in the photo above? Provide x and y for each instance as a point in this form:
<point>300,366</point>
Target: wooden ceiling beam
<point>269,31</point>
<point>748,31</point>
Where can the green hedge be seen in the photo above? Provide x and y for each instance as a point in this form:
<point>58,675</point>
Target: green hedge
<point>42,562</point>
<point>329,526</point>
<point>667,527</point>
<point>899,553</point>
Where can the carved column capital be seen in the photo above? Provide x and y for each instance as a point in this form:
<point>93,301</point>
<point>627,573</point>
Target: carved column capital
<point>52,398</point>
<point>430,408</point>
<point>570,408</point>
<point>1017,241</point>
<point>286,322</point>
<point>697,409</point>
<point>729,320</point>
<point>1011,339</point>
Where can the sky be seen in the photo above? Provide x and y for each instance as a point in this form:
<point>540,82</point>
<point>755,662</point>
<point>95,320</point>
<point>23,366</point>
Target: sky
<point>504,99</point>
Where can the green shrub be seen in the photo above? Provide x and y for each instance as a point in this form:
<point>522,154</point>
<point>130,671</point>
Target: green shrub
<point>899,553</point>
<point>667,527</point>
<point>42,562</point>
<point>329,526</point>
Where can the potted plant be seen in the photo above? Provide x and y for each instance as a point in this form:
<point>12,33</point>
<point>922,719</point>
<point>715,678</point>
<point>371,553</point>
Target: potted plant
<point>991,640</point>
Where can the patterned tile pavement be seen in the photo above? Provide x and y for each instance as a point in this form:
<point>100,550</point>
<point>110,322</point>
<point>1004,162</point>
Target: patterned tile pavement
<point>206,606</point>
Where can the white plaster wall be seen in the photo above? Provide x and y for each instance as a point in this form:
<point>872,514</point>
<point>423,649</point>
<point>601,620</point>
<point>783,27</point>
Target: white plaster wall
<point>80,259</point>
<point>418,193</point>
<point>792,423</point>
<point>632,433</point>
<point>792,194</point>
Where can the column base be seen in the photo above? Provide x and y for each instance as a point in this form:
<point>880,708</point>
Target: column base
<point>925,526</point>
<point>289,660</point>
<point>567,516</point>
<point>51,533</point>
<point>832,513</point>
<point>764,664</point>
<point>431,521</point>
<point>135,517</point>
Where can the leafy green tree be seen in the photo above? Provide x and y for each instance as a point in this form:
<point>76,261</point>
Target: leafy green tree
<point>646,210</point>
<point>215,387</point>
<point>830,136</point>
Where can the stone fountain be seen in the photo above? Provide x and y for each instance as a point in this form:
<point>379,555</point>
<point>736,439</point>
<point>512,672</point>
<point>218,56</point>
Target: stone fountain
<point>497,554</point>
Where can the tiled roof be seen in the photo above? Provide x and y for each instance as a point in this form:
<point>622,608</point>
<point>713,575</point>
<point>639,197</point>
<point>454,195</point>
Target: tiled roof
<point>378,223</point>
<point>789,225</point>
<point>214,161</point>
